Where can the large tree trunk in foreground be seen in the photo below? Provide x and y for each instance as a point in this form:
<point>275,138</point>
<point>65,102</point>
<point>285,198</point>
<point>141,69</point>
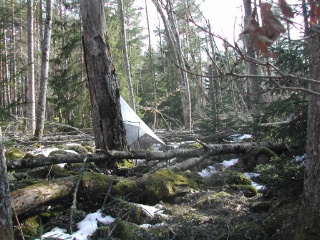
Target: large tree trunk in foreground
<point>209,150</point>
<point>310,214</point>
<point>6,226</point>
<point>107,121</point>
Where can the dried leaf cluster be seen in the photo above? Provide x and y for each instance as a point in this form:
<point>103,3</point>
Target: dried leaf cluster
<point>264,36</point>
<point>314,12</point>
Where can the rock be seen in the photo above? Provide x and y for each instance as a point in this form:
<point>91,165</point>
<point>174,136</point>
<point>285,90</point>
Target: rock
<point>255,156</point>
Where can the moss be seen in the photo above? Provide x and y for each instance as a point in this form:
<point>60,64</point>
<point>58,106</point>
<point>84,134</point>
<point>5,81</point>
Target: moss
<point>128,188</point>
<point>213,200</point>
<point>14,153</point>
<point>127,231</point>
<point>30,226</point>
<point>77,148</point>
<point>165,183</point>
<point>57,152</point>
<point>255,156</point>
<point>125,163</point>
<point>248,190</point>
<point>229,177</point>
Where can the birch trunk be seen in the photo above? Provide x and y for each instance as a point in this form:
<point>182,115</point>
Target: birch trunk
<point>31,108</point>
<point>44,73</point>
<point>125,56</point>
<point>172,33</point>
<point>252,69</point>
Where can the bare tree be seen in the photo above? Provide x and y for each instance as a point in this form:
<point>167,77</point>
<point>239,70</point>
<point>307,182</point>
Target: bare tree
<point>31,108</point>
<point>41,110</point>
<point>125,55</point>
<point>173,38</point>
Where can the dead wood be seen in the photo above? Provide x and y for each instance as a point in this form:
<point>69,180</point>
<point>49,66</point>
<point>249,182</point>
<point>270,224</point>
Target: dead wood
<point>26,199</point>
<point>208,150</point>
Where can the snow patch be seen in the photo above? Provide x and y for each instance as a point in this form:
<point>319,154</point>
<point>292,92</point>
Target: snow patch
<point>85,228</point>
<point>229,163</point>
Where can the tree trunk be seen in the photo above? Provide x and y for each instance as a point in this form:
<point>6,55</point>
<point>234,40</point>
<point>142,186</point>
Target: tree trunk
<point>44,73</point>
<point>125,56</point>
<point>173,39</point>
<point>31,109</point>
<point>108,125</point>
<point>310,213</point>
<point>6,226</point>
<point>252,69</point>
<point>213,149</point>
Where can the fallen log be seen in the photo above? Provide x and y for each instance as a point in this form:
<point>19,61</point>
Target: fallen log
<point>93,187</point>
<point>25,199</point>
<point>208,150</point>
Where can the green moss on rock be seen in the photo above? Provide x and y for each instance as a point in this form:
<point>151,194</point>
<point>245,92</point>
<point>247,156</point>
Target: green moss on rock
<point>165,183</point>
<point>229,177</point>
<point>255,156</point>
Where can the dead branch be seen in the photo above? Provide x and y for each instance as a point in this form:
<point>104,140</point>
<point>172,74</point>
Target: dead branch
<point>214,149</point>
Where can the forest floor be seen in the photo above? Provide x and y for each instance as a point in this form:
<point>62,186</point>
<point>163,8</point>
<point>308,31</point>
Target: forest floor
<point>222,205</point>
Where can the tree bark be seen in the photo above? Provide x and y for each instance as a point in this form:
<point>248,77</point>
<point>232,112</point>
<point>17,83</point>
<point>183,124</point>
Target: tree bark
<point>252,69</point>
<point>310,212</point>
<point>108,126</point>
<point>44,73</point>
<point>31,108</point>
<point>212,149</point>
<point>6,226</point>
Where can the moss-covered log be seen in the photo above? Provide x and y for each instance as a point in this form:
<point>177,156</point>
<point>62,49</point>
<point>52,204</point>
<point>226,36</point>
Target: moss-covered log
<point>160,185</point>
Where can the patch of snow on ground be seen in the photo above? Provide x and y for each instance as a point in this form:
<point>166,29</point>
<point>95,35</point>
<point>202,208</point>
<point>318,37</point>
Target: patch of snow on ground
<point>44,151</point>
<point>71,151</point>
<point>245,136</point>
<point>229,163</point>
<point>151,210</point>
<point>85,228</point>
<point>207,172</point>
<point>73,144</point>
<point>256,185</point>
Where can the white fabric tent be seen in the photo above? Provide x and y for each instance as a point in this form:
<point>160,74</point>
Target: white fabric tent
<point>135,127</point>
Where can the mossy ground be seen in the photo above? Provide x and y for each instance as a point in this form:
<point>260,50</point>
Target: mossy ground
<point>226,207</point>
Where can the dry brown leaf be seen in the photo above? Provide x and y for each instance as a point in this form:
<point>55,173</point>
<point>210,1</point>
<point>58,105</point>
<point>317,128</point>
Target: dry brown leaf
<point>271,24</point>
<point>313,10</point>
<point>286,9</point>
<point>257,35</point>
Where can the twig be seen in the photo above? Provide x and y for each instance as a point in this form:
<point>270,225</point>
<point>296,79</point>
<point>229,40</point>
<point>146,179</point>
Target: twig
<point>107,194</point>
<point>18,223</point>
<point>74,202</point>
